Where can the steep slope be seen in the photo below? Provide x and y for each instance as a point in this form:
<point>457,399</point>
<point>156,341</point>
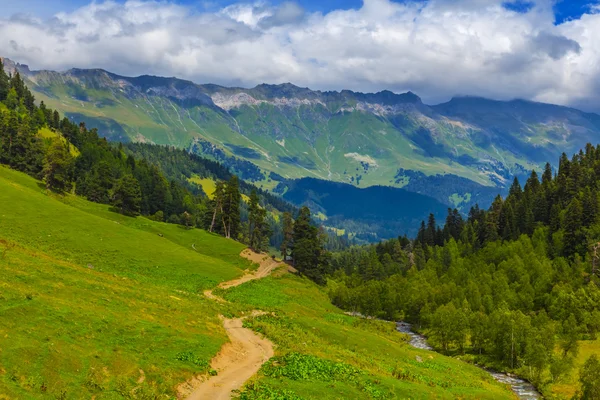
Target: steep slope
<point>363,139</point>
<point>94,304</point>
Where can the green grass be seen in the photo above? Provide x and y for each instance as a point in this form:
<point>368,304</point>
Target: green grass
<point>88,298</point>
<point>312,336</point>
<point>208,185</point>
<point>92,301</point>
<point>46,133</point>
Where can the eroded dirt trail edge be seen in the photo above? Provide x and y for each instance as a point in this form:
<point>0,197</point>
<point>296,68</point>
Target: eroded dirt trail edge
<point>246,351</point>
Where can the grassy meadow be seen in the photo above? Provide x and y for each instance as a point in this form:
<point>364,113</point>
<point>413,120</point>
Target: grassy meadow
<point>323,353</point>
<point>94,304</point>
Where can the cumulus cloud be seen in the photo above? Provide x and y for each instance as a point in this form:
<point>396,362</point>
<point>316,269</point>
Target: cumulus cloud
<point>436,48</point>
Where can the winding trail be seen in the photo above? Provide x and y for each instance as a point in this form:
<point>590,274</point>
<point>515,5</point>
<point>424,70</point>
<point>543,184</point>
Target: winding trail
<point>246,352</point>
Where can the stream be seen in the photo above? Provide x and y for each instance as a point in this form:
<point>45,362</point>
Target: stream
<point>523,389</point>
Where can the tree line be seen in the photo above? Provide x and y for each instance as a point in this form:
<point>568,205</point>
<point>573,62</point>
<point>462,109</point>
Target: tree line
<point>153,181</point>
<point>509,285</point>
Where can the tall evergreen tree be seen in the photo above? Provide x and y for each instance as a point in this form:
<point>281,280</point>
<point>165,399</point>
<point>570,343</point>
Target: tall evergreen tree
<point>231,208</point>
<point>288,235</point>
<point>128,195</point>
<point>308,251</point>
<point>572,227</point>
<point>4,82</point>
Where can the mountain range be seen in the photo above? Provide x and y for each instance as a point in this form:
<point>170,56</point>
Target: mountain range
<point>468,149</point>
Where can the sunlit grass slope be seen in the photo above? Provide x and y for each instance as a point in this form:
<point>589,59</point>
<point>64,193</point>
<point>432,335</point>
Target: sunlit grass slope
<point>568,387</point>
<point>96,304</point>
<point>324,354</point>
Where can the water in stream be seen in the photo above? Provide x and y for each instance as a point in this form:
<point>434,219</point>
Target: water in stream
<point>523,389</point>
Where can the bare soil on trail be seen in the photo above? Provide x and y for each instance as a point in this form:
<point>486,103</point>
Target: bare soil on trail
<point>266,266</point>
<point>246,352</point>
<point>237,362</point>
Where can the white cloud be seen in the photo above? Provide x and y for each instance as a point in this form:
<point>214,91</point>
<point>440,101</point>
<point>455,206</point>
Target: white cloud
<point>437,49</point>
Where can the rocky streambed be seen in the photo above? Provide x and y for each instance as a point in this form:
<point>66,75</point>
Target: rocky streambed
<point>523,389</point>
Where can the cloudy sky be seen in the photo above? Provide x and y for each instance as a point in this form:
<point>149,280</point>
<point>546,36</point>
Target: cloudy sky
<point>544,50</point>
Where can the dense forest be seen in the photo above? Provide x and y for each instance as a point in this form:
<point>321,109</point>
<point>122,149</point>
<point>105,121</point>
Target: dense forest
<point>508,285</point>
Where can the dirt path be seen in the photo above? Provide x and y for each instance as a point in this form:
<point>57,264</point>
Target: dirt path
<point>246,352</point>
<point>266,266</point>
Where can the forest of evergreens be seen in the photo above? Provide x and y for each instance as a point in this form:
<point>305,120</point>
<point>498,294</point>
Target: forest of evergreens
<point>509,285</point>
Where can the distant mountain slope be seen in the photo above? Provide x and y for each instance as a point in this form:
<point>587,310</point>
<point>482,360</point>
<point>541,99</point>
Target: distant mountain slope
<point>373,213</point>
<point>362,139</point>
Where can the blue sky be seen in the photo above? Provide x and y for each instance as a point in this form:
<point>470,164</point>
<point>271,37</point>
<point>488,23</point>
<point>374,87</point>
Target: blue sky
<point>564,9</point>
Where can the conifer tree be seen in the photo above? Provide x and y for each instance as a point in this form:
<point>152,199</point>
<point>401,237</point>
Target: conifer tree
<point>128,196</point>
<point>231,208</point>
<point>572,227</point>
<point>217,206</point>
<point>547,176</point>
<point>253,217</point>
<point>308,251</point>
<point>515,189</point>
<point>288,235</point>
<point>4,82</point>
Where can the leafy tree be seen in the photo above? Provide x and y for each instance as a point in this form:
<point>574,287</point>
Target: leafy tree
<point>589,377</point>
<point>216,207</point>
<point>58,167</point>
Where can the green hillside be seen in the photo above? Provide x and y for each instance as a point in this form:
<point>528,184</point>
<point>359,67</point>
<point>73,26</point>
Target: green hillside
<point>325,354</point>
<point>90,298</point>
<point>291,132</point>
<point>96,304</point>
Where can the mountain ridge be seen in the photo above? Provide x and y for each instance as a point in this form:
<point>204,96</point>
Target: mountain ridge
<point>364,139</point>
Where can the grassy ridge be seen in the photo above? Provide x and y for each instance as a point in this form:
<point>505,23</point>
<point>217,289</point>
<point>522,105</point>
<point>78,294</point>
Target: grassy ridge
<point>89,298</point>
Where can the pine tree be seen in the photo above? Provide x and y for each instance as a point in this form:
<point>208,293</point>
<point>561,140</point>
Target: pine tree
<point>4,82</point>
<point>507,223</point>
<point>547,176</point>
<point>259,230</point>
<point>515,191</point>
<point>430,231</point>
<point>253,217</point>
<point>231,208</point>
<point>572,227</point>
<point>18,85</point>
<point>128,195</point>
<point>308,253</point>
<point>288,234</point>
